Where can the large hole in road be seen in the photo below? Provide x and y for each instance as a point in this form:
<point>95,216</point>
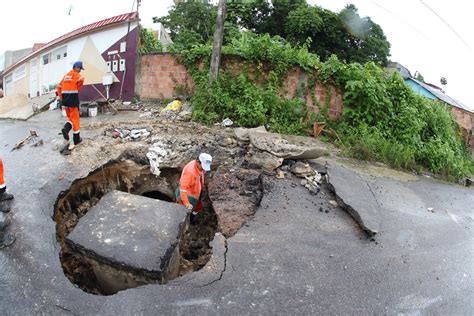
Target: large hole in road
<point>85,269</point>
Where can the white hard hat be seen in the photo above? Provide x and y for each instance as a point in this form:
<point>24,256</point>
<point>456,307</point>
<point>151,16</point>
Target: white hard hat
<point>206,161</point>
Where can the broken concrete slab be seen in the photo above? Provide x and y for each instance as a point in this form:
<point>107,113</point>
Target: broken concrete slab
<point>130,233</point>
<point>354,194</point>
<point>264,160</point>
<point>235,197</point>
<point>288,146</point>
<point>242,134</point>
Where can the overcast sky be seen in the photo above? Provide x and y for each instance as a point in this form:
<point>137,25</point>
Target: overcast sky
<point>420,40</point>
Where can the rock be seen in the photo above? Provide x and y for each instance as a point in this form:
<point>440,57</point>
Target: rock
<point>287,146</point>
<point>280,174</point>
<point>304,182</point>
<point>235,197</point>
<point>333,203</point>
<point>301,169</point>
<point>242,134</point>
<point>430,209</point>
<point>263,160</point>
<point>137,233</point>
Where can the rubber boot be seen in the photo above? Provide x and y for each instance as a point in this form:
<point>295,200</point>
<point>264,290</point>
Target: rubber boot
<point>5,196</point>
<point>66,129</point>
<point>193,218</point>
<point>4,208</point>
<point>77,138</point>
<point>6,240</point>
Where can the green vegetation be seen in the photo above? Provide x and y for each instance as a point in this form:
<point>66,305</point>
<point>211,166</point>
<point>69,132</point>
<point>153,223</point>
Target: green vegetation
<point>149,43</point>
<point>345,34</point>
<point>383,119</point>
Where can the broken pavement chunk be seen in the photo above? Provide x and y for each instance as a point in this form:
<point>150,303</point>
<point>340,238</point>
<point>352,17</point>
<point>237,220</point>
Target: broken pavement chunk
<point>130,233</point>
<point>355,196</point>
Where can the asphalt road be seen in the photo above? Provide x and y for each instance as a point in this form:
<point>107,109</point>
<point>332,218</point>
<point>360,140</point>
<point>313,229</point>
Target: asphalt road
<point>290,258</point>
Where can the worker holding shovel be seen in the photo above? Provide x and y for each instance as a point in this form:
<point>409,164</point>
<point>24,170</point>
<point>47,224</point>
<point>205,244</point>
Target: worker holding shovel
<point>191,183</point>
<point>68,93</point>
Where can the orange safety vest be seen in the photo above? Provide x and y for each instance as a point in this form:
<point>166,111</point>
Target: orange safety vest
<point>68,88</point>
<point>191,182</point>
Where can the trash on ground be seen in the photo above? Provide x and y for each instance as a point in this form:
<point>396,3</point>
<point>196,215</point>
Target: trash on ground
<point>227,122</point>
<point>174,106</point>
<point>156,154</point>
<point>33,137</point>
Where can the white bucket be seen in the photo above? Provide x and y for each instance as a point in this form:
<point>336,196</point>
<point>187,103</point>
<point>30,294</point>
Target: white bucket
<point>93,111</point>
<point>63,112</point>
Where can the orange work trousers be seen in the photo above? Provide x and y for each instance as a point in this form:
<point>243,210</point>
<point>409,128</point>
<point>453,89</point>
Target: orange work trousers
<point>73,117</point>
<point>2,180</point>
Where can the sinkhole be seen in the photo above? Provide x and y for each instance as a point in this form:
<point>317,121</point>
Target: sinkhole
<point>134,233</point>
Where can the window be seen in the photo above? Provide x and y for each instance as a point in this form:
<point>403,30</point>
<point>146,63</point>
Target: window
<point>19,73</point>
<point>46,59</point>
<point>59,53</point>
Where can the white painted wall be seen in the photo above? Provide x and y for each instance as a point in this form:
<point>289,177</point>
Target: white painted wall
<point>50,74</point>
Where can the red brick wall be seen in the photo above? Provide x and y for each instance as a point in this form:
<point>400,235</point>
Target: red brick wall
<point>296,85</point>
<point>465,120</point>
<point>160,74</point>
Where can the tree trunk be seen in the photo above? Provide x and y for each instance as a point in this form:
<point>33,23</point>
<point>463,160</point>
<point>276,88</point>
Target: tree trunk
<point>217,45</point>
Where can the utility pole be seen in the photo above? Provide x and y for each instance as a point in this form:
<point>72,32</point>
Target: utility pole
<point>218,38</point>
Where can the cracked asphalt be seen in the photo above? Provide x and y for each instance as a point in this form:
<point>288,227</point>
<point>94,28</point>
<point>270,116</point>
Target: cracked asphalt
<point>289,258</point>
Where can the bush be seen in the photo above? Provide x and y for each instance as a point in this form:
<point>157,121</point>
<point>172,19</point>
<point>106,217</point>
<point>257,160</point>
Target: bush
<point>247,104</point>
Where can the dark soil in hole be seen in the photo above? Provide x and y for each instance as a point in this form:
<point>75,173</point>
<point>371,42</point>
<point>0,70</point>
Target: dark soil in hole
<point>135,178</point>
<point>158,195</point>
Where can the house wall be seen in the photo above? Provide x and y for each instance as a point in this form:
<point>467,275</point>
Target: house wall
<point>105,40</point>
<point>123,90</point>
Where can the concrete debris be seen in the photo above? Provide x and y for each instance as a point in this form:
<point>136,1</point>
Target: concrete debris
<point>263,160</point>
<point>302,170</point>
<point>134,134</point>
<point>156,155</point>
<point>139,133</point>
<point>242,134</point>
<point>286,146</point>
<point>280,174</point>
<point>33,137</point>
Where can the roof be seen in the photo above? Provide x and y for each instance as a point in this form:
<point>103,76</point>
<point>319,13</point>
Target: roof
<point>443,96</point>
<point>80,31</point>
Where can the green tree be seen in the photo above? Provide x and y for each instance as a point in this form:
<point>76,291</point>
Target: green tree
<point>365,38</point>
<point>195,19</point>
<point>149,43</point>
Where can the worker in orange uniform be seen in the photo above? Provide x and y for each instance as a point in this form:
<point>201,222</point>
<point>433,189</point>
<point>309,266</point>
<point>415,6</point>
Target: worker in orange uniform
<point>5,239</point>
<point>191,183</point>
<point>68,93</point>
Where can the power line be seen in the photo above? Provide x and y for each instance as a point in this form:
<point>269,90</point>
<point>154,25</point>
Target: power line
<point>447,24</point>
<point>401,19</point>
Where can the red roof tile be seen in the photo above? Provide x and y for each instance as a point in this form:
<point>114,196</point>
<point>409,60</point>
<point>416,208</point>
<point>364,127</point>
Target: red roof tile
<point>80,31</point>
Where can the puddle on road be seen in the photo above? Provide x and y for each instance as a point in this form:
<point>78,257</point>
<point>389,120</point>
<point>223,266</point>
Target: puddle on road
<point>135,178</point>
